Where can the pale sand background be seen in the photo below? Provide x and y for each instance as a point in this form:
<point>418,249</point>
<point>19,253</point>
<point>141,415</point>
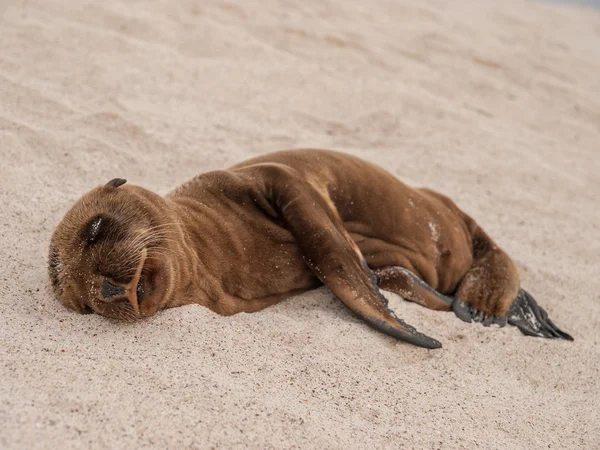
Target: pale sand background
<point>495,103</point>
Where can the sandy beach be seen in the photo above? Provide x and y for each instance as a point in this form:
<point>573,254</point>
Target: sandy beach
<point>496,104</point>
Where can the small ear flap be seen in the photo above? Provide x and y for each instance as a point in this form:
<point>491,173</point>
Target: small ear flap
<point>96,229</point>
<point>115,182</point>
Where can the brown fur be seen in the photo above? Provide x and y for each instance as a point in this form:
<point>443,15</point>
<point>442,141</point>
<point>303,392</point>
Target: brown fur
<point>241,239</point>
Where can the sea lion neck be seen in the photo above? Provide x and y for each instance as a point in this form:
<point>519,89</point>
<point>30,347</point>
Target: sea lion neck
<point>193,279</point>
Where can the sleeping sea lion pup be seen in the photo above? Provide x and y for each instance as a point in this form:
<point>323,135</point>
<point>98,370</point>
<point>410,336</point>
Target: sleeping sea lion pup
<point>241,239</point>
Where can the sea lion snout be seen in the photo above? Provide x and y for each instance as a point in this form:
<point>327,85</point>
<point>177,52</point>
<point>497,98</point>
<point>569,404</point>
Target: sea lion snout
<point>131,294</point>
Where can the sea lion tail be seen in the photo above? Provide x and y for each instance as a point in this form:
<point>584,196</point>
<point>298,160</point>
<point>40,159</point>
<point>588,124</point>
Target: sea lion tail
<point>532,319</point>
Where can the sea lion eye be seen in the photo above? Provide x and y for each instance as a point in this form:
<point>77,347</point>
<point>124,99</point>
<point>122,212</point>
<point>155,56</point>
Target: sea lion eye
<point>95,230</point>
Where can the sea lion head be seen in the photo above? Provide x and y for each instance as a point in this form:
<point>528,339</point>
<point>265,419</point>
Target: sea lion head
<point>111,252</point>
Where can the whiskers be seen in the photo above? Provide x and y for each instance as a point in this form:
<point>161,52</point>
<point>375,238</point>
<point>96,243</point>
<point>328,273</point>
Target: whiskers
<point>122,311</point>
<point>130,249</point>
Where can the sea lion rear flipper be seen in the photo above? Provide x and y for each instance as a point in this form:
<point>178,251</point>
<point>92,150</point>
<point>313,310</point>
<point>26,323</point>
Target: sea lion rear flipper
<point>532,319</point>
<point>327,248</point>
<point>489,293</point>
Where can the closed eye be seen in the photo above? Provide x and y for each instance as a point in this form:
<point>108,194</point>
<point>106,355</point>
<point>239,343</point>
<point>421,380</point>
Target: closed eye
<point>96,229</point>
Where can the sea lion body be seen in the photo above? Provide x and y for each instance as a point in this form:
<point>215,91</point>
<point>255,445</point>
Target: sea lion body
<point>392,224</point>
<point>241,239</point>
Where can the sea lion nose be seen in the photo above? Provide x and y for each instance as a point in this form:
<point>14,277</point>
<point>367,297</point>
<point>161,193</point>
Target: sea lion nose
<point>110,290</point>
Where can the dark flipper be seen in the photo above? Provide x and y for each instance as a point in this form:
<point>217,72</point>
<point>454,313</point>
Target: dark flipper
<point>327,248</point>
<point>532,320</point>
<point>405,332</point>
<point>409,286</point>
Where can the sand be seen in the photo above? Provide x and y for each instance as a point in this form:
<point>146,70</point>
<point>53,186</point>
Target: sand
<point>496,104</point>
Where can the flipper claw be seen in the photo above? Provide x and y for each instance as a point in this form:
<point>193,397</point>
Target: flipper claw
<point>462,310</point>
<point>467,313</point>
<point>500,321</point>
<point>478,316</point>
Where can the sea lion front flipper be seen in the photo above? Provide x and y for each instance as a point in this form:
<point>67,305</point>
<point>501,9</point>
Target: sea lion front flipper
<point>532,319</point>
<point>326,247</point>
<point>409,286</point>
